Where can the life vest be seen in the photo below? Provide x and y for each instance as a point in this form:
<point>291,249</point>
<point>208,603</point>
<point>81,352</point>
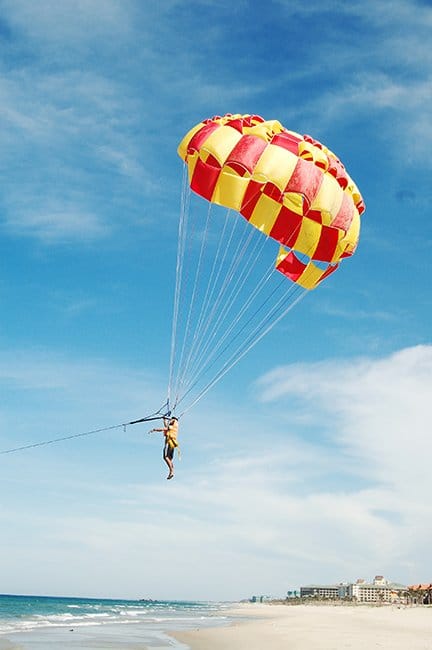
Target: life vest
<point>171,435</point>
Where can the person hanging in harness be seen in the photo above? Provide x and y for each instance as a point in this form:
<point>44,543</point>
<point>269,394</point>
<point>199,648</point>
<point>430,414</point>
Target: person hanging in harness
<point>170,431</point>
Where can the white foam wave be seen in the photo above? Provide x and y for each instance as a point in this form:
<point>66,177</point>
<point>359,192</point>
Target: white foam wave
<point>89,614</point>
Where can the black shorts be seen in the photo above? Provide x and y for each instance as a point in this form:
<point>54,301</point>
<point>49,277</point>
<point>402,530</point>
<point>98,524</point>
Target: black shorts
<point>168,452</point>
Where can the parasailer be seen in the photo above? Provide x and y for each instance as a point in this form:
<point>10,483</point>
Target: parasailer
<point>170,431</point>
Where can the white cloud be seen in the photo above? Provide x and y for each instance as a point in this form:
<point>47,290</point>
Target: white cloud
<point>379,410</point>
<point>59,226</point>
<point>402,12</point>
<point>377,92</point>
<point>357,314</point>
<point>72,152</point>
<point>61,394</point>
<point>71,22</point>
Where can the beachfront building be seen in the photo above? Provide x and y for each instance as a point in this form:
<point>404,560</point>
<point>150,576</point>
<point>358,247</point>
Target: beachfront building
<point>420,594</point>
<point>260,599</point>
<point>378,591</point>
<point>331,592</point>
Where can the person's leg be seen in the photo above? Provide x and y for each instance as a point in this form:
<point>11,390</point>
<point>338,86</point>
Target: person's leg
<point>168,456</point>
<point>171,467</point>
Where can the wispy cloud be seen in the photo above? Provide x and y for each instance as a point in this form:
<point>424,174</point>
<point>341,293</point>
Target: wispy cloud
<point>379,408</point>
<point>76,125</point>
<point>58,226</point>
<point>46,378</point>
<point>71,24</point>
<point>356,314</point>
<point>386,71</point>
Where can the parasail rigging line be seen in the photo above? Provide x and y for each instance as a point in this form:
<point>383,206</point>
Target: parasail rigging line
<point>210,289</point>
<point>224,315</point>
<point>236,259</point>
<point>249,302</point>
<point>207,336</point>
<point>158,415</point>
<point>209,318</point>
<point>195,284</point>
<point>196,360</point>
<point>263,324</point>
<point>259,331</point>
<point>238,353</point>
<point>214,275</point>
<point>182,230</point>
<point>181,284</point>
<point>237,357</point>
<point>216,321</point>
<point>238,284</point>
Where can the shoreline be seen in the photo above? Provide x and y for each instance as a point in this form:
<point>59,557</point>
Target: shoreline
<point>323,626</point>
<point>139,635</point>
<point>135,636</point>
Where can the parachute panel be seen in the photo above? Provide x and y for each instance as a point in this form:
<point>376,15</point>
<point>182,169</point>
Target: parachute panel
<point>307,275</point>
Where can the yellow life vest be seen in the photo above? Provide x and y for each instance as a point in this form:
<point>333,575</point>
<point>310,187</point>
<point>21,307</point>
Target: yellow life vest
<point>171,435</point>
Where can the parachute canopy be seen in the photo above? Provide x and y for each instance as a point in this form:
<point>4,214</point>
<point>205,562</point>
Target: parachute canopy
<point>288,186</point>
<point>272,185</point>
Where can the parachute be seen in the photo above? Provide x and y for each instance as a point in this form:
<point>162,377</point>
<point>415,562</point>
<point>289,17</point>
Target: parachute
<point>250,184</point>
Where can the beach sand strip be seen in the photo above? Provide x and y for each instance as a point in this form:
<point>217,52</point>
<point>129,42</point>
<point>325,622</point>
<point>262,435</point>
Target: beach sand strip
<point>322,627</point>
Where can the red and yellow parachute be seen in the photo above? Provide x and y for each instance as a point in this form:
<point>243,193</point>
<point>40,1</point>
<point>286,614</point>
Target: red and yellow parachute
<point>292,189</point>
<point>289,186</point>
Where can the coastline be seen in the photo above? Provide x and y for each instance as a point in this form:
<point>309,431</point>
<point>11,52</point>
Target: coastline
<point>325,627</point>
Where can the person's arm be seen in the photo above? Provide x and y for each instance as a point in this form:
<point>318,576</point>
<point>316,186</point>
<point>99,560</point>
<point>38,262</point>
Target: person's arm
<point>163,430</point>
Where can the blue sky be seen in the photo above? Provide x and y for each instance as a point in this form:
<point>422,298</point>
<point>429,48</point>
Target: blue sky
<point>309,461</point>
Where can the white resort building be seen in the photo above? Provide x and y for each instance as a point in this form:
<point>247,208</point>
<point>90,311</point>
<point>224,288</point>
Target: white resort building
<point>378,591</point>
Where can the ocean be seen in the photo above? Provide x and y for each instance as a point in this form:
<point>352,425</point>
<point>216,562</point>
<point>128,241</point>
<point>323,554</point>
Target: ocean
<point>41,622</point>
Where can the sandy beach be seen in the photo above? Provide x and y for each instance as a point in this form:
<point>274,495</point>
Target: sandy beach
<point>322,627</point>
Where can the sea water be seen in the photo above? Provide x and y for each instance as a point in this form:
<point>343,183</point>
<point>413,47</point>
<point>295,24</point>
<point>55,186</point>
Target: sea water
<point>40,622</point>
